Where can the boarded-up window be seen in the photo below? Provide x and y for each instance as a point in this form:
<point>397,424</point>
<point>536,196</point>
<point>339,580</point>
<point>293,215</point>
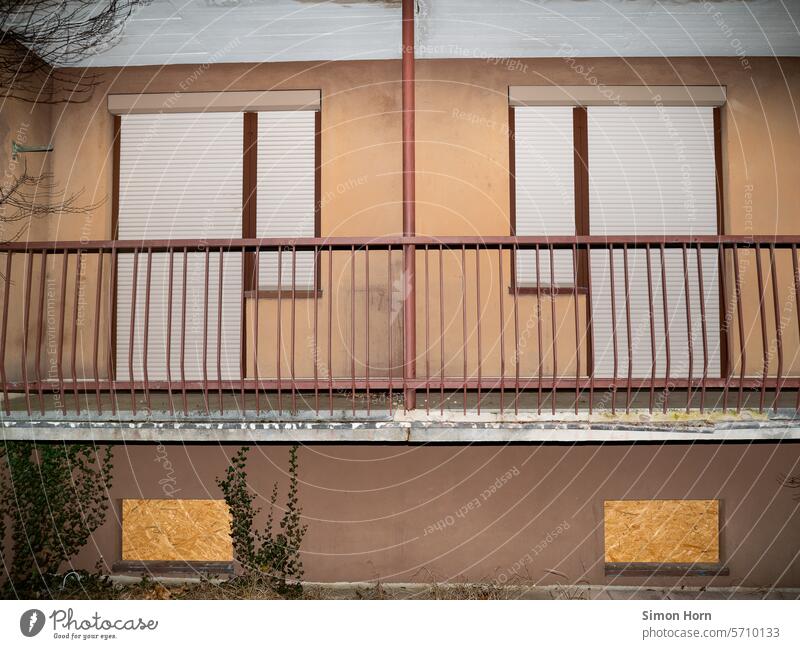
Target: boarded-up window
<point>176,530</point>
<point>662,531</point>
<point>180,177</point>
<point>545,193</point>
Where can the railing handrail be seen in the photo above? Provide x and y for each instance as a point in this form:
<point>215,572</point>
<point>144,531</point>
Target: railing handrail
<point>490,242</point>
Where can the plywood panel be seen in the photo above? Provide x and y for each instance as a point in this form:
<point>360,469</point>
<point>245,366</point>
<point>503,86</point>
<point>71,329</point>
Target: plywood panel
<point>176,530</point>
<point>661,531</point>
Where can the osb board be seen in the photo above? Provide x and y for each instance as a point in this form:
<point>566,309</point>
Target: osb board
<point>176,530</point>
<point>662,531</point>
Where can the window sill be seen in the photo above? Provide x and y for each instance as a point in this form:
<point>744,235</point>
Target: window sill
<point>666,570</point>
<point>299,294</point>
<point>173,568</point>
<point>547,290</point>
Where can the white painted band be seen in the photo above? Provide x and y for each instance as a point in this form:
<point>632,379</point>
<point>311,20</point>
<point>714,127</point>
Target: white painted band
<point>200,102</point>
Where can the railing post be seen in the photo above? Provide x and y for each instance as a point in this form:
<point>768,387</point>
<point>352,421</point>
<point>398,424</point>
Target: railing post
<point>409,225</point>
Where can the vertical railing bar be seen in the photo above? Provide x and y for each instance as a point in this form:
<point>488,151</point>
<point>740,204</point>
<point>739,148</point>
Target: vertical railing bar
<point>219,328</point>
<point>478,321</point>
<point>147,327</point>
<point>796,281</point>
<point>590,316</point>
<point>75,315</point>
<point>257,273</point>
<point>316,298</point>
<point>170,279</point>
<point>330,328</point>
<point>778,326</point>
<point>441,329</point>
<point>26,325</point>
<point>515,280</point>
<point>366,326</point>
<point>740,316</point>
<point>39,328</point>
<point>293,367</point>
<point>703,325</point>
<point>206,276</point>
<point>132,329</point>
<point>243,329</point>
<point>553,329</point>
<point>725,363</point>
<point>690,341</point>
<point>389,306</point>
<point>652,318</point>
<point>628,328</point>
<point>576,309</point>
<point>502,329</point>
<point>6,301</point>
<point>112,275</point>
<point>427,334</point>
<point>613,328</point>
<point>539,331</point>
<point>353,328</point>
<point>96,352</point>
<point>464,319</point>
<point>666,326</point>
<point>763,318</point>
<point>279,330</point>
<point>183,331</point>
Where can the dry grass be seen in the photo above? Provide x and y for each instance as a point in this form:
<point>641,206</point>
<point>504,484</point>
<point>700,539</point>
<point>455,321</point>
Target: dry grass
<point>247,587</point>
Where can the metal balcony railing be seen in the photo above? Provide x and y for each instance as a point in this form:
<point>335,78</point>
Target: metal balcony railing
<point>509,324</point>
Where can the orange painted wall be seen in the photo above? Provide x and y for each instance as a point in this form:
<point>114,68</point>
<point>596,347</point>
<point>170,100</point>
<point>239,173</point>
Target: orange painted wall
<point>462,182</point>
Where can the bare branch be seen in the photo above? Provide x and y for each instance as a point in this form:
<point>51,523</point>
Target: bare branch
<point>39,37</point>
<point>29,197</point>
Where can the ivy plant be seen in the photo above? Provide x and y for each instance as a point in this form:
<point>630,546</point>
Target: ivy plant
<point>52,499</point>
<point>268,553</point>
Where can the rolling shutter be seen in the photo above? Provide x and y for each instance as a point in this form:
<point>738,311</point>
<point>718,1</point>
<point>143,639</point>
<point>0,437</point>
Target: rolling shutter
<point>652,172</point>
<point>545,191</point>
<point>286,193</point>
<point>180,178</point>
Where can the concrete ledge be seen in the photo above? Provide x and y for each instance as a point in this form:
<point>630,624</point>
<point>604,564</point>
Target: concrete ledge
<point>403,431</point>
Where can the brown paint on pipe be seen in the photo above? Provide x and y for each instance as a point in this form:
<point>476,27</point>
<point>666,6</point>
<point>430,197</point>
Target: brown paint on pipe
<point>409,215</point>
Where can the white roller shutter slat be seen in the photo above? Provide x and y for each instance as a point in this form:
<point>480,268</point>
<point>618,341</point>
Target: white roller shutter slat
<point>545,189</point>
<point>652,172</point>
<point>180,178</point>
<point>285,203</point>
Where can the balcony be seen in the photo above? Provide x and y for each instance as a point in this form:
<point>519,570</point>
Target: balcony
<point>391,329</point>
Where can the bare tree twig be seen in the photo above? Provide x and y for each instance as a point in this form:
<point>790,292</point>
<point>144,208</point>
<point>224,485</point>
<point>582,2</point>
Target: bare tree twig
<point>39,37</point>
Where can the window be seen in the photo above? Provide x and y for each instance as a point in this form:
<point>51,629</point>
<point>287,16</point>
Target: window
<point>623,170</point>
<point>652,171</point>
<point>208,175</point>
<point>545,189</point>
<point>286,194</point>
<point>180,177</point>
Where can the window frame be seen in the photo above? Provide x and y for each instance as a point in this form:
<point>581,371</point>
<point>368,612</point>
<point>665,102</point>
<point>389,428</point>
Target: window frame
<point>580,145</point>
<point>249,168</point>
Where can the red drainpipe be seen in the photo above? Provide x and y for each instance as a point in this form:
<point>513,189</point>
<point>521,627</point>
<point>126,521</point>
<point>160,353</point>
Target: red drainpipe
<point>409,218</point>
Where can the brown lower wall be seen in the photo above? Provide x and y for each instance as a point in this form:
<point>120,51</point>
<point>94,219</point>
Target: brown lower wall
<point>391,513</point>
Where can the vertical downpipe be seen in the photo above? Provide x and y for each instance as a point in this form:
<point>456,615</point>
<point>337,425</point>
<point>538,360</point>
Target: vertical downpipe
<point>409,224</point>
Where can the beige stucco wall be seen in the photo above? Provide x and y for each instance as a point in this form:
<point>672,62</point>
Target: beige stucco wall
<point>462,183</point>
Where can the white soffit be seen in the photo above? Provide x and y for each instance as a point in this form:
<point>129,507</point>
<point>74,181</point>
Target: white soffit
<point>616,95</point>
<point>217,31</point>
